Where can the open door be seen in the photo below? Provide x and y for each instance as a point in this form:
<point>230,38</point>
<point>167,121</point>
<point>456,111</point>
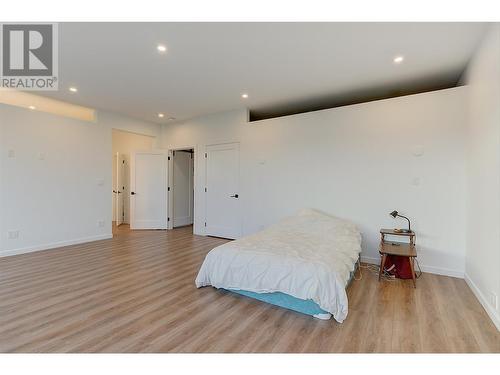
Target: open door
<point>148,190</point>
<point>119,188</point>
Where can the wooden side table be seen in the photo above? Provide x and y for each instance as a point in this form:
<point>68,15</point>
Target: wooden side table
<point>401,249</point>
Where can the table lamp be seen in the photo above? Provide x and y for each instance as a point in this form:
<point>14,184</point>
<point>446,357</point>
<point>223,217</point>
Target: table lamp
<point>395,214</point>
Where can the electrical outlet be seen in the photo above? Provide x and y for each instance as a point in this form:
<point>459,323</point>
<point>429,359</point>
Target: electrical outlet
<point>100,223</point>
<point>13,234</point>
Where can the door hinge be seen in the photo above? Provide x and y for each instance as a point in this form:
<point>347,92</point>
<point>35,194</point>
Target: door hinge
<point>173,153</point>
<point>205,223</point>
<point>206,155</point>
<point>168,219</point>
<point>205,190</point>
<point>169,158</point>
<point>168,189</point>
<point>123,161</point>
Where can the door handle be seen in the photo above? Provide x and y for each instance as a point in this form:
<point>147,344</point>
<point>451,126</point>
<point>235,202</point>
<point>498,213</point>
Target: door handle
<point>132,193</point>
<point>234,196</point>
<point>114,191</point>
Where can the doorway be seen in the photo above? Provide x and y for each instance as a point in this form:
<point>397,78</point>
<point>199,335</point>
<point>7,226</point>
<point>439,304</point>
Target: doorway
<point>124,144</point>
<point>119,188</point>
<point>181,188</point>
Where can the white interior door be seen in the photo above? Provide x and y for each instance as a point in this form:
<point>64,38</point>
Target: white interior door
<point>223,217</point>
<point>182,183</point>
<point>148,190</point>
<point>126,188</point>
<point>119,189</point>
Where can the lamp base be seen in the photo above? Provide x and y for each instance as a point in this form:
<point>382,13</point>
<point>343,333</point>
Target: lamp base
<point>402,230</point>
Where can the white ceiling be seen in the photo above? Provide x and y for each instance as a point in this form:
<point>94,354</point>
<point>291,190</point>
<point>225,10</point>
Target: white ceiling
<point>117,67</point>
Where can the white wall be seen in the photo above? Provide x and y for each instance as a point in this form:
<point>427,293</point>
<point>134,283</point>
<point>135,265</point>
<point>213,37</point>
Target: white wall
<point>356,162</point>
<point>125,142</point>
<point>56,188</point>
<point>483,174</point>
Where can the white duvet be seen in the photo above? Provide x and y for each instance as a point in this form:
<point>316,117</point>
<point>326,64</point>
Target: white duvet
<point>309,255</point>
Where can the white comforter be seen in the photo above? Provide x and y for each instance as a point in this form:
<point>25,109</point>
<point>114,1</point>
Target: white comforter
<point>309,256</point>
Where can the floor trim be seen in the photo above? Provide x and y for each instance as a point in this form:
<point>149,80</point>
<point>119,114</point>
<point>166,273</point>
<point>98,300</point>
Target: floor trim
<point>490,310</point>
<point>53,245</point>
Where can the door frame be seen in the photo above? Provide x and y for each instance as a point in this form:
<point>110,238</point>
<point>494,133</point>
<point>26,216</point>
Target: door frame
<point>132,186</point>
<point>170,179</point>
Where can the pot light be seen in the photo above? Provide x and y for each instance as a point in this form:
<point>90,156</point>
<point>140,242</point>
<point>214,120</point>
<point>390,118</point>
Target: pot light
<point>398,59</point>
<point>32,107</point>
<point>244,96</point>
<point>161,115</point>
<point>161,48</point>
<point>73,89</point>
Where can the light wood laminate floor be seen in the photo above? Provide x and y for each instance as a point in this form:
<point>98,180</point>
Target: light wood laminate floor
<point>136,293</point>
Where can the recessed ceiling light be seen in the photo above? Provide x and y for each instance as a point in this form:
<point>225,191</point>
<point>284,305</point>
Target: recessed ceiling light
<point>73,89</point>
<point>161,48</point>
<point>171,118</point>
<point>244,96</point>
<point>32,107</point>
<point>161,115</point>
<point>398,59</point>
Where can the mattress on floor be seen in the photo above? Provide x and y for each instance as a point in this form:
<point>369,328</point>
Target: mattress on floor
<point>286,301</point>
<point>308,307</point>
<point>308,256</point>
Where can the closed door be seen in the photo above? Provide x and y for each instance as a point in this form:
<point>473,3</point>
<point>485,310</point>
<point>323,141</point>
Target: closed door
<point>223,217</point>
<point>148,190</point>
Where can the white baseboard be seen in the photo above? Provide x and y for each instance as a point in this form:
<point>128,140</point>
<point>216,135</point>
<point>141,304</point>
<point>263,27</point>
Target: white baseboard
<point>428,269</point>
<point>490,310</point>
<point>31,249</point>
